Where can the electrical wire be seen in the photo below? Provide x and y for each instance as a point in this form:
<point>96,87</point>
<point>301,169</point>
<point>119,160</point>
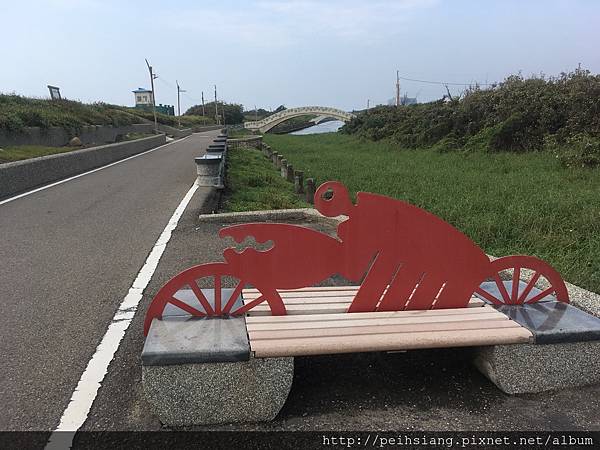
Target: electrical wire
<point>444,83</point>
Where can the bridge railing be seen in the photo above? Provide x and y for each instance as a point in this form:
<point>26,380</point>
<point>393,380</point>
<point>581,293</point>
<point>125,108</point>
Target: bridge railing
<point>296,111</point>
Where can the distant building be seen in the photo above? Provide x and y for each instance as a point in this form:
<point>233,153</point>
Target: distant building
<point>143,97</point>
<point>144,100</point>
<point>403,101</point>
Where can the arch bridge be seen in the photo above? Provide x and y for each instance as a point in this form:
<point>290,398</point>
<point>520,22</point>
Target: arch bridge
<point>269,122</point>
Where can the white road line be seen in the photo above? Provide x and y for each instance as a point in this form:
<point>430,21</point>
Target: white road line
<point>89,383</point>
<point>25,194</point>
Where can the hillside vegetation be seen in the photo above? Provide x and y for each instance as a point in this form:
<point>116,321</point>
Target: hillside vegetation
<point>558,114</point>
<point>17,112</point>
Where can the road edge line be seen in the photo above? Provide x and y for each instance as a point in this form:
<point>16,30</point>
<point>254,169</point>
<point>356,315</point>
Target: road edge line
<point>87,388</point>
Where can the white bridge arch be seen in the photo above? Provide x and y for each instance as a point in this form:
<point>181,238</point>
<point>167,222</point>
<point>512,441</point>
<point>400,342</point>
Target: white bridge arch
<point>269,122</point>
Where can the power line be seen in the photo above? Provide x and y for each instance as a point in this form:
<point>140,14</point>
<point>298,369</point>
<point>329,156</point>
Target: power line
<point>444,83</point>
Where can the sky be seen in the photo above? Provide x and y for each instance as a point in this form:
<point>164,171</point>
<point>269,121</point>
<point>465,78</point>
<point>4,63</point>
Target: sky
<point>337,53</point>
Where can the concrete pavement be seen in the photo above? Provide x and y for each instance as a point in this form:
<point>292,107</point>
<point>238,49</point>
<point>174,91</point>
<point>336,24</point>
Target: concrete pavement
<point>69,255</point>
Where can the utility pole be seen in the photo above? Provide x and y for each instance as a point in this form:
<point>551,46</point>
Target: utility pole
<point>216,110</point>
<point>397,88</point>
<point>152,77</point>
<point>368,103</point>
<point>202,103</point>
<point>178,103</point>
<point>255,113</point>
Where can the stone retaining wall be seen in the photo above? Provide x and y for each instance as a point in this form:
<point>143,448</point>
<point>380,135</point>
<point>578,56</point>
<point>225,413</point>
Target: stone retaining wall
<point>200,128</point>
<point>245,142</point>
<point>58,136</point>
<point>21,176</point>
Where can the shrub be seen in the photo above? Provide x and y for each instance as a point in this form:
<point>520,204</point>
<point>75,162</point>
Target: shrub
<point>580,150</point>
<point>514,115</point>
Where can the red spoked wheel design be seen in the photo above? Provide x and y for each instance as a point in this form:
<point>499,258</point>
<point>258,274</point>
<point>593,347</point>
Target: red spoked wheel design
<point>519,296</point>
<point>189,279</point>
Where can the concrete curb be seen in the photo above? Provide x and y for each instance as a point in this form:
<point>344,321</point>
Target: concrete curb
<point>19,176</point>
<point>272,215</point>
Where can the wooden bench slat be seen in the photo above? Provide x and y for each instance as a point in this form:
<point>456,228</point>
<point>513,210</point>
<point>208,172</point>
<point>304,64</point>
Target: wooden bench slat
<point>337,308</point>
<point>370,315</point>
<point>308,308</point>
<point>304,295</point>
<point>311,289</point>
<point>270,348</point>
<point>337,299</point>
<point>300,297</point>
<point>316,324</point>
<point>354,330</point>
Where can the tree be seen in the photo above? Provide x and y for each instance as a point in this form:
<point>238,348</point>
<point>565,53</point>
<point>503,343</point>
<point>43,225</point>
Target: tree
<point>234,113</point>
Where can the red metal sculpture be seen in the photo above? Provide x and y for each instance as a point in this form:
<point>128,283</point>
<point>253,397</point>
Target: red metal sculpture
<point>412,259</point>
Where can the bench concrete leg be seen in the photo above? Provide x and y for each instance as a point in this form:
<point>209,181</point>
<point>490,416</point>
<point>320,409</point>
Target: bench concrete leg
<point>527,368</point>
<point>213,393</point>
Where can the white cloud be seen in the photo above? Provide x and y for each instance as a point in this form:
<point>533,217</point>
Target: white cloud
<point>271,23</point>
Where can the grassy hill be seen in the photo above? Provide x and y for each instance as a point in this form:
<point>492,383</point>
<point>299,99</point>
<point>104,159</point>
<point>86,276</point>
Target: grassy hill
<point>17,112</point>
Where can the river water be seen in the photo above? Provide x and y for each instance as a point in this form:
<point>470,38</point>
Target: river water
<point>325,127</point>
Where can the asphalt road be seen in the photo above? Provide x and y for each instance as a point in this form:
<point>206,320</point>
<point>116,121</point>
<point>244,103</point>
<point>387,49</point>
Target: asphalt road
<point>68,256</point>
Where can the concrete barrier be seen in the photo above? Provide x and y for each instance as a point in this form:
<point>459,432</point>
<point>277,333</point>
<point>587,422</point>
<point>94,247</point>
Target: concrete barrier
<point>175,132</point>
<point>21,176</point>
<point>58,136</point>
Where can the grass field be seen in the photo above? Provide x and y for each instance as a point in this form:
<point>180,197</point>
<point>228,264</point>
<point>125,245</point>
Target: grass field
<point>254,184</point>
<point>507,203</point>
<point>20,152</point>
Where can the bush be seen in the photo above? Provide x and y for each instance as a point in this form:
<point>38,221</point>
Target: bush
<point>580,150</point>
<point>515,115</point>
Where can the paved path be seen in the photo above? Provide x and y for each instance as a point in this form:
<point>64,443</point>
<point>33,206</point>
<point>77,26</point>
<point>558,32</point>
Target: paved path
<point>69,255</point>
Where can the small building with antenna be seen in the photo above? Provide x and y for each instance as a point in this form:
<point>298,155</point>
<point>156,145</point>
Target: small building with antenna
<point>144,100</point>
<point>143,97</point>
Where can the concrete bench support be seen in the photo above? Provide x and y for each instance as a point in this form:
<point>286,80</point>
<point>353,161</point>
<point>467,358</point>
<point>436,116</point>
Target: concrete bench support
<point>213,393</point>
<point>528,368</point>
<point>201,371</point>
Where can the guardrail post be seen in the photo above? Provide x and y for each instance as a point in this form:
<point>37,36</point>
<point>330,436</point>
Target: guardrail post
<point>298,182</point>
<point>289,175</point>
<point>283,168</point>
<point>310,190</point>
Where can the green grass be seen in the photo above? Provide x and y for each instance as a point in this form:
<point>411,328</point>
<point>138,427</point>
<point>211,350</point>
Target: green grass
<point>20,152</point>
<point>507,203</point>
<point>254,184</point>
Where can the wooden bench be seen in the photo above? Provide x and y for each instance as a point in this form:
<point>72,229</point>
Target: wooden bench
<point>220,355</point>
<point>317,323</point>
